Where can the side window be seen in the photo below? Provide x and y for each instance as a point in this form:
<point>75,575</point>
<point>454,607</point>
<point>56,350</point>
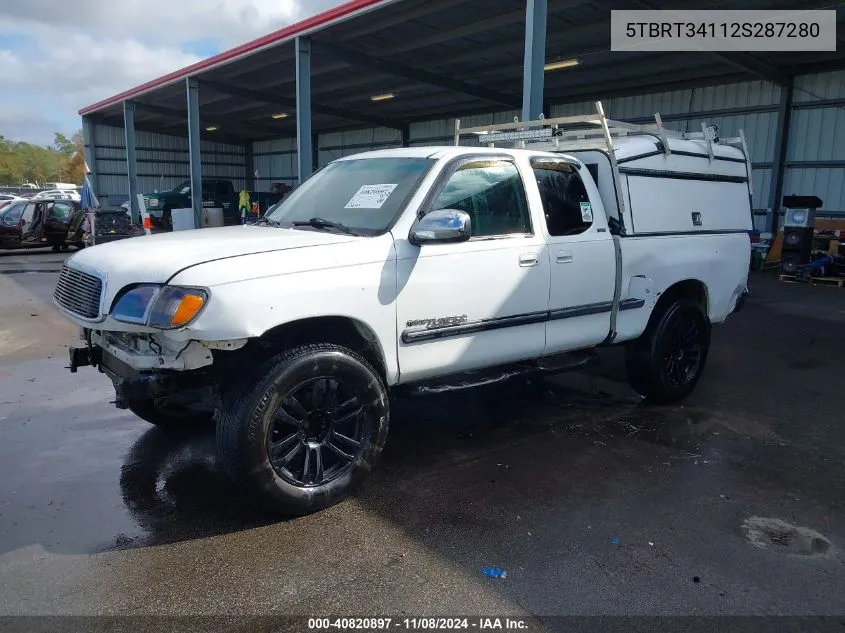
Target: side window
<point>13,215</point>
<point>60,211</point>
<point>492,193</point>
<point>566,204</point>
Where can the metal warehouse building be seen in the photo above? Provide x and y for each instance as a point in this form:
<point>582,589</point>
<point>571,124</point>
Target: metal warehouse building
<point>373,74</point>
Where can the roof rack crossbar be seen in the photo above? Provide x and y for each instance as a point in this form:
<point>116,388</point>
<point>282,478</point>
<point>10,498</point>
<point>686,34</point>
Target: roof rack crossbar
<point>571,132</point>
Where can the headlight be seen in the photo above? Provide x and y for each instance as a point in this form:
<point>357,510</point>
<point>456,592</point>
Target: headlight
<point>163,307</point>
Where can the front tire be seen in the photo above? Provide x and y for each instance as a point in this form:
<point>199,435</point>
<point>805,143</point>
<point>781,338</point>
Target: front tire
<point>666,362</point>
<point>169,417</point>
<point>308,431</point>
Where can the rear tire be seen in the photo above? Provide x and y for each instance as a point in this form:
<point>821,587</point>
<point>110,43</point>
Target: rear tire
<point>666,362</point>
<point>166,417</point>
<point>307,431</point>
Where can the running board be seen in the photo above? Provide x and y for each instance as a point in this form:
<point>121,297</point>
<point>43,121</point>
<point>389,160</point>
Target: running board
<point>548,365</point>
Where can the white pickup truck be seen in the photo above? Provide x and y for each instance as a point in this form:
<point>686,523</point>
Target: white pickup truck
<point>410,267</point>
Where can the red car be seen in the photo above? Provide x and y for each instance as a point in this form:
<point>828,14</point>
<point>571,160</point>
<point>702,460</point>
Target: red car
<point>36,223</point>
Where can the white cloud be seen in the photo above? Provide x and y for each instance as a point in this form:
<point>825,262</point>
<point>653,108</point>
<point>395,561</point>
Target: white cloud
<point>25,124</point>
<point>165,21</point>
<point>80,52</point>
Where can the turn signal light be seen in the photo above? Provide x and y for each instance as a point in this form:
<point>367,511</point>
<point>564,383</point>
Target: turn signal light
<point>187,309</point>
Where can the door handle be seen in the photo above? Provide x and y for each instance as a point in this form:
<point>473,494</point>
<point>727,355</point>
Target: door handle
<point>565,257</point>
<point>526,260</point>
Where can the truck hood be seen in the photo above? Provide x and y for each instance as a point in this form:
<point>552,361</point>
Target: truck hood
<point>156,258</point>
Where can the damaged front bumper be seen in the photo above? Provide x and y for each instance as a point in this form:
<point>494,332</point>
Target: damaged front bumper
<point>144,367</point>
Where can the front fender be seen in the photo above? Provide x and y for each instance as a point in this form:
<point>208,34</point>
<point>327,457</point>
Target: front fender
<point>263,300</point>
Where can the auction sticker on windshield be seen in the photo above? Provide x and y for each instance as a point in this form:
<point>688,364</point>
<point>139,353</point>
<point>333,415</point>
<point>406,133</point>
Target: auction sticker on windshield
<point>370,197</point>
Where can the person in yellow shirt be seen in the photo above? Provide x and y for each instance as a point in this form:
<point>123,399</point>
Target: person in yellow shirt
<point>243,205</point>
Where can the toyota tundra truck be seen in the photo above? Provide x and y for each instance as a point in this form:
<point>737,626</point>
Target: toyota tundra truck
<point>419,266</point>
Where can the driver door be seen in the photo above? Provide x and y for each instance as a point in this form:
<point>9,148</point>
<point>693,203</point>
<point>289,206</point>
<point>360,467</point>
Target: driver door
<point>477,303</point>
<point>10,226</point>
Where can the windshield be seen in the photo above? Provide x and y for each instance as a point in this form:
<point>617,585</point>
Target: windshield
<point>182,188</point>
<point>364,195</point>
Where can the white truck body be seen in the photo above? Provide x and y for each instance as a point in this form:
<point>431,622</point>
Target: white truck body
<point>260,278</point>
<point>553,253</point>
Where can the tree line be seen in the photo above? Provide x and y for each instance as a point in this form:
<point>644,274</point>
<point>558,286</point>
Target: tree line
<point>63,161</point>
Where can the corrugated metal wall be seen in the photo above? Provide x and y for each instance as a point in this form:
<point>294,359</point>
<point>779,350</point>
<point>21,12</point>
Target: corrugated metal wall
<point>162,162</point>
<point>815,159</point>
<point>815,153</point>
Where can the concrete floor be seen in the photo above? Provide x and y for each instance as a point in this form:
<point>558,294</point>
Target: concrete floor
<point>594,504</point>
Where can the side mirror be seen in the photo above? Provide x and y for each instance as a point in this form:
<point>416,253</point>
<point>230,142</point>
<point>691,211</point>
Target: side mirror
<point>442,227</point>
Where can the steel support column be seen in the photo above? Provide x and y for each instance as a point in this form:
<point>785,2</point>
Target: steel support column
<point>131,158</point>
<point>90,150</point>
<point>194,148</point>
<point>533,73</point>
<point>249,168</point>
<point>781,146</point>
<point>304,140</point>
<point>406,136</point>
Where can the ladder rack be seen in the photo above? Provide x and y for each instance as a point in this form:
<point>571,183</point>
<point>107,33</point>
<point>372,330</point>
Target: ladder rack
<point>592,131</point>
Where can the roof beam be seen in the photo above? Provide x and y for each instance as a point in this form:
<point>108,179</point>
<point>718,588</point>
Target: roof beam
<point>175,113</point>
<point>288,102</point>
<point>753,66</point>
<point>414,74</point>
<point>585,92</point>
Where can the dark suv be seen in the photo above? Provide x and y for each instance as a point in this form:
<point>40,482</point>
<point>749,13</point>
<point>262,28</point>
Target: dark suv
<point>36,223</point>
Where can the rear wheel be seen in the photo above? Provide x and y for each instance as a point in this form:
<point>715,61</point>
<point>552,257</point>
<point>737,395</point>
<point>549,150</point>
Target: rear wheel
<point>167,416</point>
<point>666,362</point>
<point>308,431</point>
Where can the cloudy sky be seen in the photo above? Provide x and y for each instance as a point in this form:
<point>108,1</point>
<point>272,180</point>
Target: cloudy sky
<point>57,56</point>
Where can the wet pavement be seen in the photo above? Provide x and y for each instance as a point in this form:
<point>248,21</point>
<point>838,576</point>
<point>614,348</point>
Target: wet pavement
<point>593,503</point>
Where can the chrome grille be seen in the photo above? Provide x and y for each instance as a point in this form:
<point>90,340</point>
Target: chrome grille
<point>79,293</point>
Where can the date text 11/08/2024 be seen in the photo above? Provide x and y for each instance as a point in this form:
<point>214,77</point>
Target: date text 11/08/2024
<point>417,624</point>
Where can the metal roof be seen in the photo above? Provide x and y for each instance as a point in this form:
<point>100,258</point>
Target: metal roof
<point>439,58</point>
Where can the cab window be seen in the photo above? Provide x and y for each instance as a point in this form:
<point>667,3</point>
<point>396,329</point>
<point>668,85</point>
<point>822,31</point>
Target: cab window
<point>566,205</point>
<point>492,193</point>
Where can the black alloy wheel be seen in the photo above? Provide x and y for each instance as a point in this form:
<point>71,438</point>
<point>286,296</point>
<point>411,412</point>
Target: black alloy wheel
<point>684,346</point>
<point>304,430</point>
<point>317,431</point>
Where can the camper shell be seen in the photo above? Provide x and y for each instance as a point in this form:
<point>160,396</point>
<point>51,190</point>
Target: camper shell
<point>652,180</point>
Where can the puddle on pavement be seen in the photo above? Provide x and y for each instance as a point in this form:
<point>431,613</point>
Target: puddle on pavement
<point>174,487</point>
<point>781,537</point>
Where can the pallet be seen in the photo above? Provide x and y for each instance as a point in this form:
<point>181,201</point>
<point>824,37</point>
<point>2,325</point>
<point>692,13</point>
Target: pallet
<point>839,282</point>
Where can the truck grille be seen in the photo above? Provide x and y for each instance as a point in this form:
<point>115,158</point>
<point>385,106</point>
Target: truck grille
<point>79,293</point>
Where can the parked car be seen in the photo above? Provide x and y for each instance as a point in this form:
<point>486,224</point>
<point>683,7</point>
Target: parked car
<point>216,193</point>
<point>36,224</point>
<point>424,267</point>
<point>58,194</point>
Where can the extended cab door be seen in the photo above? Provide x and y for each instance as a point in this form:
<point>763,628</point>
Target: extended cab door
<point>481,302</point>
<point>582,256</point>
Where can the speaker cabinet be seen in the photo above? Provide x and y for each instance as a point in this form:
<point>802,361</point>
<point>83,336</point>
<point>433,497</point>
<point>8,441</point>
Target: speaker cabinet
<point>797,247</point>
<point>799,217</point>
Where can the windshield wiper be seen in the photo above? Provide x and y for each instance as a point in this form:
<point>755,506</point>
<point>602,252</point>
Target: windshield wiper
<point>266,220</point>
<point>320,223</point>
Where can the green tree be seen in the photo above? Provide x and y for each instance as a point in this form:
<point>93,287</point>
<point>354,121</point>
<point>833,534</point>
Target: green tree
<point>22,162</point>
<point>64,145</point>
